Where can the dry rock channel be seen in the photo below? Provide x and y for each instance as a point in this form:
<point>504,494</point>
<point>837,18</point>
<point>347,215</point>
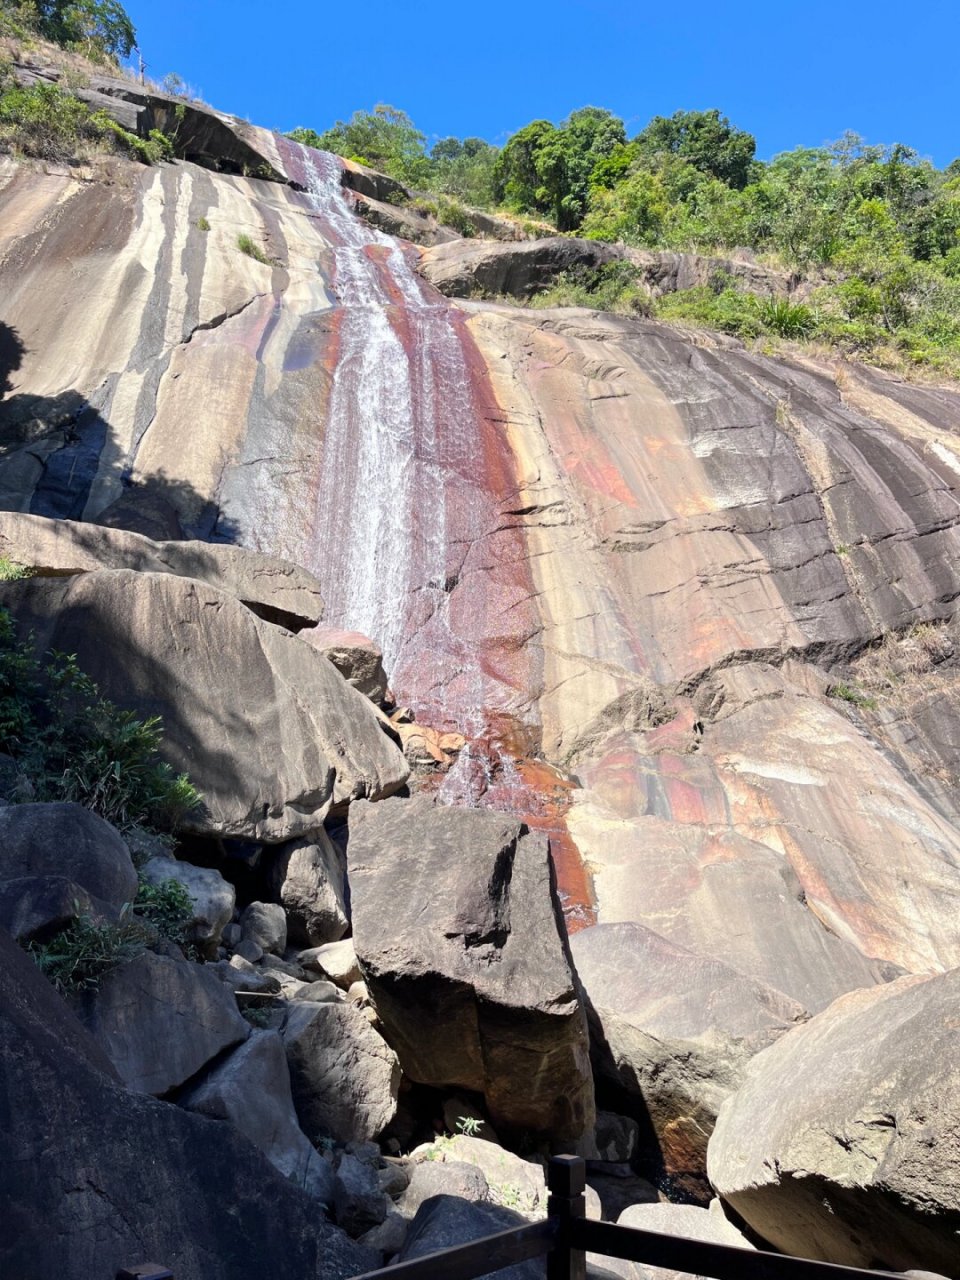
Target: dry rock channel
<point>679,624</point>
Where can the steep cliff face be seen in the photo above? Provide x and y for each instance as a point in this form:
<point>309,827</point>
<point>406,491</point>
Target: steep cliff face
<point>623,561</point>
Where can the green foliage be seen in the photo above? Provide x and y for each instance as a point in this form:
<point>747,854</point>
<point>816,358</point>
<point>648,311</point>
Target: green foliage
<point>46,121</point>
<point>452,214</point>
<point>98,28</point>
<point>81,955</point>
<point>251,249</point>
<point>69,743</point>
<point>166,906</point>
<point>706,140</point>
<point>613,287</point>
<point>469,1125</point>
<point>384,138</point>
<point>464,170</point>
<point>548,169</point>
<point>850,693</point>
<point>10,571</point>
<point>203,224</point>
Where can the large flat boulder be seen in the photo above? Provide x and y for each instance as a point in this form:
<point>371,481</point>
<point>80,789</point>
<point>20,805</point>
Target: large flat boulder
<point>459,934</point>
<point>673,1032</point>
<point>466,267</point>
<point>86,1163</point>
<point>842,1142</point>
<point>269,732</point>
<point>66,840</point>
<point>274,589</point>
<point>160,1021</point>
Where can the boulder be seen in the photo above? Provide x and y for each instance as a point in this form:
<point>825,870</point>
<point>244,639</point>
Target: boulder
<point>616,1137</point>
<point>66,840</point>
<point>358,659</point>
<point>334,960</point>
<point>842,1142</point>
<point>307,878</point>
<point>359,1204</point>
<point>449,1177</point>
<point>160,1021</point>
<point>251,1090</point>
<point>447,1220</point>
<point>269,732</point>
<point>345,1077</point>
<point>264,924</point>
<point>688,1220</point>
<point>516,1183</point>
<point>274,589</point>
<point>462,945</point>
<point>34,908</point>
<point>673,1031</point>
<point>87,1163</point>
<point>492,268</point>
<point>212,897</point>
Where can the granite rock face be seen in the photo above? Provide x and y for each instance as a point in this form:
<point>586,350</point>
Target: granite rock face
<point>457,929</point>
<point>842,1143</point>
<point>674,1032</point>
<point>268,731</point>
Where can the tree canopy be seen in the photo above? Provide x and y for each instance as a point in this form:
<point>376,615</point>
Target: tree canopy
<point>91,26</point>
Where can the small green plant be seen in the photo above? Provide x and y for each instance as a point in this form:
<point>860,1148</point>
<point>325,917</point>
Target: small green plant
<point>850,693</point>
<point>10,571</point>
<point>166,906</point>
<point>469,1126</point>
<point>251,249</point>
<point>80,956</point>
<point>843,549</point>
<point>203,224</point>
<point>786,319</point>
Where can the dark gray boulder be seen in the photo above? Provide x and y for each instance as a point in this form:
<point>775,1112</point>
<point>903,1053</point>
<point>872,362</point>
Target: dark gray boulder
<point>94,1178</point>
<point>307,878</point>
<point>462,944</point>
<point>34,908</point>
<point>160,1021</point>
<point>521,269</point>
<point>66,840</point>
<point>345,1077</point>
<point>447,1220</point>
<point>251,1089</point>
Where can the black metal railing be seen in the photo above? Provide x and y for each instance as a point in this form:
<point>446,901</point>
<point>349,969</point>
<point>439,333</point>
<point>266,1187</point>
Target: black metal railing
<point>566,1236</point>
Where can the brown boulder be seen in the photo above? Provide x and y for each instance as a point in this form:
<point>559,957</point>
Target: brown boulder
<point>460,938</point>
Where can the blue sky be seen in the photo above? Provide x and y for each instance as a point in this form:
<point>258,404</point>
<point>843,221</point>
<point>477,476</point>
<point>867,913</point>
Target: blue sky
<point>792,74</point>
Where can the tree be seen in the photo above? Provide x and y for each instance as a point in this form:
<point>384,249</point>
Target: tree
<point>464,168</point>
<point>384,138</point>
<point>101,26</point>
<point>548,169</point>
<point>708,140</point>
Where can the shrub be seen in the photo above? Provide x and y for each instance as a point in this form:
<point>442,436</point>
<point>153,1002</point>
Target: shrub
<point>69,743</point>
<point>203,224</point>
<point>83,953</point>
<point>166,906</point>
<point>452,214</point>
<point>10,571</point>
<point>786,319</point>
<point>850,693</point>
<point>251,249</point>
<point>46,122</point>
<point>612,287</point>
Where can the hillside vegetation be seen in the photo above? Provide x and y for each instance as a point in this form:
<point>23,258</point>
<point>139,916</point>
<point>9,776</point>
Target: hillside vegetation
<point>872,233</point>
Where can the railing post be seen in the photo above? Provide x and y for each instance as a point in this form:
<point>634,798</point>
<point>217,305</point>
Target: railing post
<point>566,1181</point>
<point>145,1271</point>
